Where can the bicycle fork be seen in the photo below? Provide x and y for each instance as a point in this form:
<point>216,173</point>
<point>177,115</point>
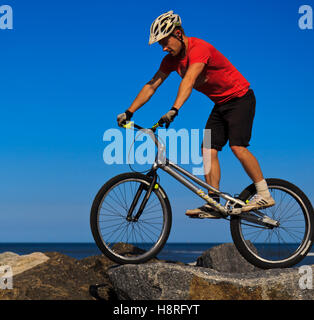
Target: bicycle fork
<point>145,199</point>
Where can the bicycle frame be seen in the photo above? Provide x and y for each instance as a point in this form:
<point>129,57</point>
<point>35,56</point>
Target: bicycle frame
<point>179,174</point>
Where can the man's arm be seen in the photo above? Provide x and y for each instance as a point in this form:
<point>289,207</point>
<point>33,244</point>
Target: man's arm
<point>187,83</point>
<point>147,91</point>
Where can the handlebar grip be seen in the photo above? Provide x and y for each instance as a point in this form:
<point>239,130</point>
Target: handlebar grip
<point>128,124</point>
<point>161,122</point>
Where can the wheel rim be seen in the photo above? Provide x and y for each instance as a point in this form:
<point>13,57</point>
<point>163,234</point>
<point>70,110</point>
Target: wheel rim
<point>283,243</point>
<point>129,240</point>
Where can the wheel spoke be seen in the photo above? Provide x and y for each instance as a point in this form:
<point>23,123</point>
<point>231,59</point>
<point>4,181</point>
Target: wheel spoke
<point>114,227</point>
<point>278,244</point>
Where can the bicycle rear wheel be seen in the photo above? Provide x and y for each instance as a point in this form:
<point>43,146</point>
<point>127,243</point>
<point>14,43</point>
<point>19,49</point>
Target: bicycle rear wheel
<point>123,239</point>
<point>282,246</point>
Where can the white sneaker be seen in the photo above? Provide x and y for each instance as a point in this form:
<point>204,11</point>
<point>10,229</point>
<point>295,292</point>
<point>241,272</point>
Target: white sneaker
<point>258,202</point>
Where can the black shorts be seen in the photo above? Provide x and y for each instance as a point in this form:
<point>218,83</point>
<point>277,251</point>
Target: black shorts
<point>231,121</point>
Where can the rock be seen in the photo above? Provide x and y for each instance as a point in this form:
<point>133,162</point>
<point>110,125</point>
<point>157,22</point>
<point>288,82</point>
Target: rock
<point>225,258</point>
<point>54,276</point>
<point>7,256</point>
<point>22,263</point>
<point>127,249</point>
<point>61,278</point>
<point>159,281</point>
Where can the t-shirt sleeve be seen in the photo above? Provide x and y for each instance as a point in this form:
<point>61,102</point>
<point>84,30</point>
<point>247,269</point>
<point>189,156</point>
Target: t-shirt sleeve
<point>167,65</point>
<point>199,54</point>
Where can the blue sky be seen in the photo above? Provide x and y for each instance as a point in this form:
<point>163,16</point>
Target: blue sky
<point>69,67</point>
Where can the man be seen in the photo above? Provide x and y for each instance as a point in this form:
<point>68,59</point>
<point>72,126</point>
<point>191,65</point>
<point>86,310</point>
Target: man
<point>204,68</point>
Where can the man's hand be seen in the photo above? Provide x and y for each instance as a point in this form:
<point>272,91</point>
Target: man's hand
<point>168,117</point>
<point>122,118</point>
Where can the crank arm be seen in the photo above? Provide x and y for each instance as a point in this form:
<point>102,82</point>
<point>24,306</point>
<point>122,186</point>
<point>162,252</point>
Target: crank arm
<point>264,220</point>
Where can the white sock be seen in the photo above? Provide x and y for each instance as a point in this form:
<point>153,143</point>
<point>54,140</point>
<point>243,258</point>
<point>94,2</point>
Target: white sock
<point>262,188</point>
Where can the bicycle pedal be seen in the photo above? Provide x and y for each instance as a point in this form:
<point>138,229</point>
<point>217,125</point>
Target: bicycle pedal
<point>196,217</point>
<point>209,216</point>
<point>203,215</point>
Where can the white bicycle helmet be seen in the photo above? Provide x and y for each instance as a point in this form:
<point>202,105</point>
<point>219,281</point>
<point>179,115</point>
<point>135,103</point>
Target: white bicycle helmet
<point>163,26</point>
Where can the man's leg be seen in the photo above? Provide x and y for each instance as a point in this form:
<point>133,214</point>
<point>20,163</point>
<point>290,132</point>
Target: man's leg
<point>252,168</point>
<point>214,140</point>
<point>239,114</point>
<point>212,177</point>
<point>211,167</point>
<point>249,163</point>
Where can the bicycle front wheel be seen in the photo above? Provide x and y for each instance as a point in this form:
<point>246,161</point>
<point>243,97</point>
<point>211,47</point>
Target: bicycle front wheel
<point>282,246</point>
<point>120,237</point>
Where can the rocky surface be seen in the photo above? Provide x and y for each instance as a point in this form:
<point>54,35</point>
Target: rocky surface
<point>220,274</point>
<point>225,258</point>
<point>19,263</point>
<point>61,278</point>
<point>161,281</point>
<point>55,276</point>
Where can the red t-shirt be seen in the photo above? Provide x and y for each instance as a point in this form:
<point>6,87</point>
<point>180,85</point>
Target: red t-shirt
<point>219,80</point>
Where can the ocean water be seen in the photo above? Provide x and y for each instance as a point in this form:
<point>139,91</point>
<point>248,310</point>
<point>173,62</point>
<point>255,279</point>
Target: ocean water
<point>173,251</point>
<point>184,252</point>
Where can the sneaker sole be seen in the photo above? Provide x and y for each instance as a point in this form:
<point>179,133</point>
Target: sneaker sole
<point>202,215</point>
<point>245,209</point>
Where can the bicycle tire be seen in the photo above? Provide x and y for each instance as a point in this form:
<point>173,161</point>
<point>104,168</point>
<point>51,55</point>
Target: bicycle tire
<point>106,248</point>
<point>251,253</point>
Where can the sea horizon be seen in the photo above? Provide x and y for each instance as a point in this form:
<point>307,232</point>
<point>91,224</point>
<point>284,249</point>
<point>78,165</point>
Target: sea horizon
<point>186,252</point>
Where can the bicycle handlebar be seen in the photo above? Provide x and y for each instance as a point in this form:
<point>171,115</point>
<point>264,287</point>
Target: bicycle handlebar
<point>131,124</point>
<point>134,125</point>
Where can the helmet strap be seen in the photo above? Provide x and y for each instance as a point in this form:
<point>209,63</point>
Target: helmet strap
<point>180,38</point>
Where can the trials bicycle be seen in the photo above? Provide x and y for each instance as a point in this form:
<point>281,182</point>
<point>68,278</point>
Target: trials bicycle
<point>132,209</point>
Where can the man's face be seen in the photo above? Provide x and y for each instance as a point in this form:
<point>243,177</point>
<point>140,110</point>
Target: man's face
<point>171,45</point>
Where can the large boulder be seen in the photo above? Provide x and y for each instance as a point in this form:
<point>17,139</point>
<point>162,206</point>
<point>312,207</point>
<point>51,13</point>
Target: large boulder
<point>19,264</point>
<point>225,258</point>
<point>59,278</point>
<point>55,276</point>
<point>159,281</point>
